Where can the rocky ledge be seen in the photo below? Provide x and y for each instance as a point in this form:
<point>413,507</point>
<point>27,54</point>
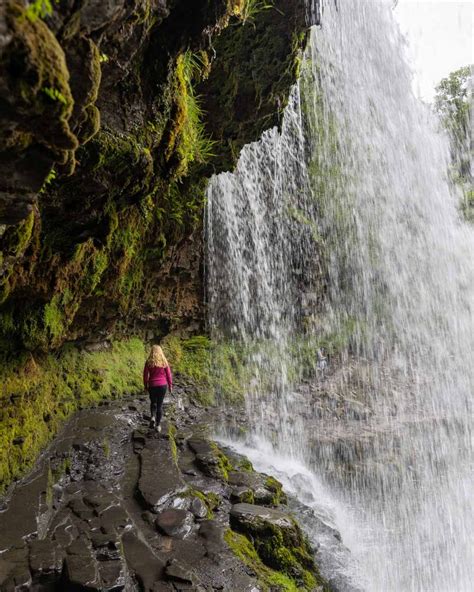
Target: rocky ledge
<point>113,505</point>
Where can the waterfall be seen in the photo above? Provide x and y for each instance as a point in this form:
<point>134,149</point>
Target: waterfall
<point>341,231</point>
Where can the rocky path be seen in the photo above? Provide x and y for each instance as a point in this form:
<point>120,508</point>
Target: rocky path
<point>113,505</point>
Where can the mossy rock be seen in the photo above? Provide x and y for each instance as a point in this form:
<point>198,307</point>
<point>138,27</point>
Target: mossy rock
<point>40,90</point>
<point>210,459</point>
<point>270,580</point>
<point>278,541</point>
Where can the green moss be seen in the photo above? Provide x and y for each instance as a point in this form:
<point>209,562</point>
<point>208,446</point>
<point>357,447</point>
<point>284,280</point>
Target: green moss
<point>216,370</point>
<point>269,579</point>
<point>283,548</point>
<point>245,465</point>
<point>258,61</point>
<point>248,497</point>
<point>211,499</point>
<point>223,463</point>
<point>91,124</point>
<point>18,237</point>
<point>43,86</point>
<point>188,141</point>
<point>39,9</point>
<point>279,496</point>
<point>54,318</point>
<point>37,395</point>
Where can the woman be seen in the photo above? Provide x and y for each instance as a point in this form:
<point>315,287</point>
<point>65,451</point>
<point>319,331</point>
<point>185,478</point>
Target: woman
<point>156,378</point>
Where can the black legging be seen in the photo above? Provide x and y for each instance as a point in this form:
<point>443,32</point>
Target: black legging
<point>157,396</point>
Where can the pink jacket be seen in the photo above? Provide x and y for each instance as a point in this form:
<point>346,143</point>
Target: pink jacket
<point>156,376</point>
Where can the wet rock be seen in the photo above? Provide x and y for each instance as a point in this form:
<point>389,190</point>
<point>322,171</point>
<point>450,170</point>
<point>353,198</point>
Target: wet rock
<point>19,520</point>
<point>177,571</point>
<point>198,508</point>
<point>160,480</point>
<point>15,573</point>
<point>248,517</point>
<point>80,509</point>
<point>148,517</point>
<point>163,587</point>
<point>81,571</point>
<point>114,519</point>
<point>46,560</point>
<point>276,537</point>
<point>266,490</point>
<point>100,501</point>
<point>213,535</point>
<point>81,546</point>
<point>107,549</point>
<point>147,567</point>
<point>139,437</point>
<point>242,494</point>
<point>175,523</point>
<point>65,532</point>
<point>113,575</point>
<point>209,459</point>
<point>180,503</point>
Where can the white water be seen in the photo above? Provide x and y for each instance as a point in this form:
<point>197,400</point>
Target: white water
<point>351,200</point>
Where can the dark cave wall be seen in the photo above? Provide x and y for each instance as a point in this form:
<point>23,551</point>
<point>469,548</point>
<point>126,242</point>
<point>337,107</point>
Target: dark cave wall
<point>114,115</point>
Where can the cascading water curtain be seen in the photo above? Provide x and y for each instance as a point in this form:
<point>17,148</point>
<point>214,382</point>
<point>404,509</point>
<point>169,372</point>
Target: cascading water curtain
<point>342,231</point>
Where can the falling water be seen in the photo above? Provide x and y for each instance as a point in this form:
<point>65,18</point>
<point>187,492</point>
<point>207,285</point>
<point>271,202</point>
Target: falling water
<point>341,230</point>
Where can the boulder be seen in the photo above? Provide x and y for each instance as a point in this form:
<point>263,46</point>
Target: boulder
<point>175,523</point>
<point>114,519</point>
<point>81,571</point>
<point>266,490</point>
<point>14,570</point>
<point>242,494</point>
<point>177,571</point>
<point>160,479</point>
<point>209,458</point>
<point>249,518</point>
<point>147,567</point>
<point>198,508</point>
<point>46,560</point>
<point>277,539</point>
<point>213,535</point>
<point>113,575</point>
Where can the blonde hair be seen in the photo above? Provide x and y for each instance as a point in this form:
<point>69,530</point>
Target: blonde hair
<point>157,358</point>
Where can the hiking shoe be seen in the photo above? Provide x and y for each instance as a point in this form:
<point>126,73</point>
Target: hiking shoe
<point>152,423</point>
<point>158,429</point>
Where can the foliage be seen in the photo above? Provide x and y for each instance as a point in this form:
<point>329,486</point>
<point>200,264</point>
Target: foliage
<point>453,102</point>
<point>216,369</point>
<point>455,106</point>
<point>39,9</point>
<point>250,9</point>
<point>38,394</point>
<point>49,179</point>
<point>54,94</point>
<point>188,138</point>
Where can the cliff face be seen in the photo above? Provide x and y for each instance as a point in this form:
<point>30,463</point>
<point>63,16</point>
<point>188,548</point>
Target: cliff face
<point>114,115</point>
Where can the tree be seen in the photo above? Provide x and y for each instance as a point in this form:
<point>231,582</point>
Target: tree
<point>454,104</point>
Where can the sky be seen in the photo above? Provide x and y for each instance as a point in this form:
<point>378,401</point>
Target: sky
<point>440,35</point>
